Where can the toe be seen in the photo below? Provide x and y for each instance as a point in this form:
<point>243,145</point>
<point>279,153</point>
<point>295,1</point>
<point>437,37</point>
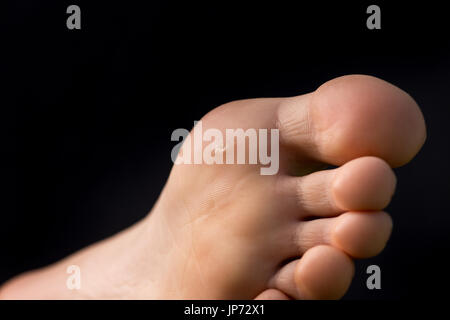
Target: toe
<point>366,183</point>
<point>323,272</point>
<point>362,234</point>
<point>353,116</point>
<point>363,184</point>
<point>359,234</point>
<point>272,294</point>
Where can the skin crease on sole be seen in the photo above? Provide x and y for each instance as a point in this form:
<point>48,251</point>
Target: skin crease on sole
<point>227,232</point>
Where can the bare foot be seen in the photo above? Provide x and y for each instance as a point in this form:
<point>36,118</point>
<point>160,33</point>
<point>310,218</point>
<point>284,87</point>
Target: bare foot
<point>228,232</point>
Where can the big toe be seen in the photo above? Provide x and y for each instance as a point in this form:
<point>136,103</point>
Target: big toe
<point>354,116</point>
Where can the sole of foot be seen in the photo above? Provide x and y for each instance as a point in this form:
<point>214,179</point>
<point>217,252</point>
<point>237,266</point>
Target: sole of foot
<point>227,232</point>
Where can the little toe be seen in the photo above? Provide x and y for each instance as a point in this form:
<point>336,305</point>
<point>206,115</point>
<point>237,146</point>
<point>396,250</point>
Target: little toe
<point>272,294</point>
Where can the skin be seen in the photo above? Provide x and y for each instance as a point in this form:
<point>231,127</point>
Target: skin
<point>226,232</point>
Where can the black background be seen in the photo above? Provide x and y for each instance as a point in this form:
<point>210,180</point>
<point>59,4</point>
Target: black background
<point>86,115</point>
